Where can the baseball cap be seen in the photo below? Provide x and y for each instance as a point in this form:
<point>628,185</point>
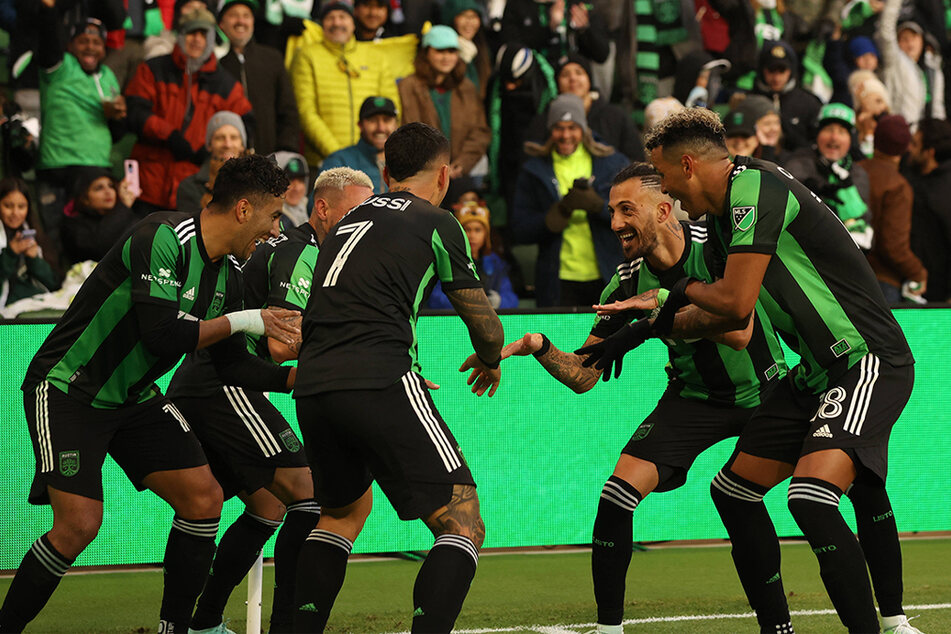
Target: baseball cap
<point>377,105</point>
<point>440,37</point>
<point>336,5</point>
<point>293,164</point>
<point>775,55</point>
<point>837,112</point>
<point>739,123</point>
<point>198,20</point>
<point>91,26</point>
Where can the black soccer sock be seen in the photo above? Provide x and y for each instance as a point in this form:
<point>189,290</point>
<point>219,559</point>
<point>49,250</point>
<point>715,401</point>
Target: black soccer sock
<point>611,545</point>
<point>36,579</point>
<point>878,535</point>
<point>188,556</point>
<point>321,568</point>
<point>300,520</point>
<point>443,583</point>
<point>237,551</point>
<point>755,551</point>
<point>814,505</point>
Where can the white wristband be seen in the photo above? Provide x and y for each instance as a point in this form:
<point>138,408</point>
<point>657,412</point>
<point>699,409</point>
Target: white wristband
<point>249,321</point>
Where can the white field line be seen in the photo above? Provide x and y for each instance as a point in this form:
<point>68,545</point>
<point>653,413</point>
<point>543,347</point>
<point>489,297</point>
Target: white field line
<point>572,628</point>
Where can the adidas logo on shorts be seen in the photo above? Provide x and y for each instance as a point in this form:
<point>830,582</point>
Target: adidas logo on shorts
<point>823,432</point>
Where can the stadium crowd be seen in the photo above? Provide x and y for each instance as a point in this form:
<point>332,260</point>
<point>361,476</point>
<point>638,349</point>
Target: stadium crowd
<point>542,102</point>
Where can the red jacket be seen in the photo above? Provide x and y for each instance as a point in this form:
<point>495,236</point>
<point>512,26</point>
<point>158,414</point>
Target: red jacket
<point>159,98</point>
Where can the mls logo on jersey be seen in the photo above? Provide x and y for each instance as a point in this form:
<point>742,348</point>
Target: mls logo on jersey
<point>743,218</point>
<point>290,441</point>
<point>218,303</point>
<point>642,431</point>
<point>69,463</point>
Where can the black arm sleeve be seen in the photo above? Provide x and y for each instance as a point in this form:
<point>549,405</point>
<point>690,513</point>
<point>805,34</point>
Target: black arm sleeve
<point>236,366</point>
<point>51,45</point>
<point>163,333</point>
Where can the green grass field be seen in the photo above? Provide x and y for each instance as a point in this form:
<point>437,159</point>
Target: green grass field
<point>548,592</point>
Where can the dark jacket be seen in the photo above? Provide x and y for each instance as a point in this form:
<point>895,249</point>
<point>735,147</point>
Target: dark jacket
<point>523,22</point>
<point>535,192</point>
<point>22,276</point>
<point>798,108</point>
<point>741,18</point>
<point>493,271</point>
<point>610,123</point>
<point>89,235</point>
<point>931,229</point>
<point>268,87</point>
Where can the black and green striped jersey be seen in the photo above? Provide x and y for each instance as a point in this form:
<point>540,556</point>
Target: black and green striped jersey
<point>819,290</point>
<point>96,352</point>
<point>699,369</point>
<point>374,271</point>
<point>278,274</point>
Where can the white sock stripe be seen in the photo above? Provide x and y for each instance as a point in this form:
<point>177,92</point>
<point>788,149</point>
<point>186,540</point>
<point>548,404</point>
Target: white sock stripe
<point>307,506</point>
<point>320,535</point>
<point>876,365</point>
<point>610,496</point>
<point>419,388</point>
<point>263,430</point>
<point>52,561</point>
<point>621,491</point>
<point>804,488</point>
<point>251,420</point>
<point>267,522</point>
<point>449,459</point>
<point>198,529</point>
<point>799,495</point>
<point>735,489</point>
<point>44,440</point>
<point>460,542</point>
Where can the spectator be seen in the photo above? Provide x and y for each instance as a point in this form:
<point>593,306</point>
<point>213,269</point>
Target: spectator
<point>439,94</point>
<point>871,102</point>
<point>82,110</point>
<point>740,133</point>
<point>697,79</point>
<point>798,108</point>
<point>332,78</point>
<point>465,16</point>
<point>225,138</point>
<point>171,99</point>
<point>768,127</point>
<point>377,122</point>
<point>658,109</point>
<point>930,175</point>
<point>371,19</point>
<point>560,203</point>
<point>296,211</point>
<point>829,170</point>
<point>163,42</point>
<point>265,81</point>
<point>24,268</point>
<point>890,203</point>
<point>473,214</point>
<point>911,72</point>
<point>610,123</point>
<point>556,28</point>
<point>97,216</point>
<point>842,57</point>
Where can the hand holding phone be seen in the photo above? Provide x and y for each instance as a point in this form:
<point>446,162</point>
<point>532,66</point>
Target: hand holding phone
<point>131,171</point>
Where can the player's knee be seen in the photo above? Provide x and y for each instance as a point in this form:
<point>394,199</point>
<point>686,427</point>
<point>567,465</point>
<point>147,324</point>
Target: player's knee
<point>291,485</point>
<point>461,516</point>
<point>203,501</point>
<point>76,532</point>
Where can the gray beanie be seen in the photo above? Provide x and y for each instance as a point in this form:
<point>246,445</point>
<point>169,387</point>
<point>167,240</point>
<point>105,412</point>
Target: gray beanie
<point>567,107</point>
<point>224,117</point>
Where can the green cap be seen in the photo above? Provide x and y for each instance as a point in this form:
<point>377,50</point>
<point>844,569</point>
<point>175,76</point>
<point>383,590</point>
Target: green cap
<point>441,37</point>
<point>837,112</point>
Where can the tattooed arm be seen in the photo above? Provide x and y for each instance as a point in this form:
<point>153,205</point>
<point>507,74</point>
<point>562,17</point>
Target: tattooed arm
<point>564,366</point>
<point>694,322</point>
<point>485,332</point>
<point>281,351</point>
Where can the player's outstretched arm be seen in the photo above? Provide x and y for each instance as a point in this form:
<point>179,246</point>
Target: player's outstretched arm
<point>486,334</point>
<point>566,367</point>
<point>692,322</point>
<point>278,323</point>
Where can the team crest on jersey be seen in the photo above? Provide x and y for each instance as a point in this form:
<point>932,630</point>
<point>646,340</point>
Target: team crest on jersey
<point>642,431</point>
<point>772,372</point>
<point>69,463</point>
<point>743,218</point>
<point>290,441</point>
<point>218,303</point>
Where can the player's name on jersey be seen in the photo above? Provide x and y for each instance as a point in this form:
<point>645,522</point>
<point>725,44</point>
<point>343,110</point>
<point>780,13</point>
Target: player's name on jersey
<point>399,204</point>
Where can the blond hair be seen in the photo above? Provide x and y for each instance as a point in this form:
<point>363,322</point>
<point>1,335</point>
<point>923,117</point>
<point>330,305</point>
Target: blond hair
<point>339,178</point>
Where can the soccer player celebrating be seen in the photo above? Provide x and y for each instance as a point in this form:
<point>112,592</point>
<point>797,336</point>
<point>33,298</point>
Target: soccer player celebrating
<point>172,285</point>
<point>828,424</point>
<point>714,383</point>
<point>362,406</point>
<point>252,450</point>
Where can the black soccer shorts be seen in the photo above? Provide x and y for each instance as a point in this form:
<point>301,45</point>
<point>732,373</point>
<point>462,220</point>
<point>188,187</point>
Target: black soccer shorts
<point>244,436</point>
<point>393,435</point>
<point>679,430</point>
<point>855,414</point>
<point>71,440</point>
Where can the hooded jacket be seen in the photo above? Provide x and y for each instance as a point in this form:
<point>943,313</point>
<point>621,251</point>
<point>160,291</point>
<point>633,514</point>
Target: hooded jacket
<point>798,108</point>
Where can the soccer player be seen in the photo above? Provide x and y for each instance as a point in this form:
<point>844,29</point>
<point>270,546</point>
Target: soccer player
<point>172,285</point>
<point>828,424</point>
<point>715,383</point>
<point>362,406</point>
<point>252,450</point>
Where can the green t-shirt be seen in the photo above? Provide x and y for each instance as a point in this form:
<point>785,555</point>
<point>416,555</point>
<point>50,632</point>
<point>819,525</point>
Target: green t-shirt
<point>74,127</point>
<point>579,262</point>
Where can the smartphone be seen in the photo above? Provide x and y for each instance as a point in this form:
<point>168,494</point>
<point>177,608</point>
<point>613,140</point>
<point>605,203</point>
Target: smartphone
<point>131,170</point>
<point>581,183</point>
<point>26,234</point>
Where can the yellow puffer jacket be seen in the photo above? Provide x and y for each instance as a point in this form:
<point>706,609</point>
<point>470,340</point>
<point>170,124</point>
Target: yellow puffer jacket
<point>330,83</point>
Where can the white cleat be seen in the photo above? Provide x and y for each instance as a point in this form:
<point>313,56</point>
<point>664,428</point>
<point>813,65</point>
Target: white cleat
<point>218,629</point>
<point>898,625</point>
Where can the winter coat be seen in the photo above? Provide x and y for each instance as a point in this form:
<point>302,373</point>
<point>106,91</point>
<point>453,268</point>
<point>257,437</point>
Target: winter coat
<point>493,271</point>
<point>931,229</point>
<point>164,100</point>
<point>611,123</point>
<point>268,87</point>
<point>535,192</point>
<point>361,156</point>
<point>22,276</point>
<point>522,22</point>
<point>469,135</point>
<point>798,108</point>
<point>88,235</point>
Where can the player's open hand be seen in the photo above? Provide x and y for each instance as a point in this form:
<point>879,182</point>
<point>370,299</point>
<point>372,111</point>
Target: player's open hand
<point>283,325</point>
<point>644,301</point>
<point>482,377</point>
<point>529,344</point>
<point>609,352</point>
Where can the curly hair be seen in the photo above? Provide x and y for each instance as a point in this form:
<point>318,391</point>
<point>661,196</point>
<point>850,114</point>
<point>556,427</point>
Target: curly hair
<point>253,177</point>
<point>696,129</point>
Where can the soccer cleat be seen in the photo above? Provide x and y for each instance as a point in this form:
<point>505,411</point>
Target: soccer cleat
<point>898,625</point>
<point>218,629</point>
<point>607,629</point>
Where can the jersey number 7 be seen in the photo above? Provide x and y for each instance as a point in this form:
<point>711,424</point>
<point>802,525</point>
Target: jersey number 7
<point>357,231</point>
